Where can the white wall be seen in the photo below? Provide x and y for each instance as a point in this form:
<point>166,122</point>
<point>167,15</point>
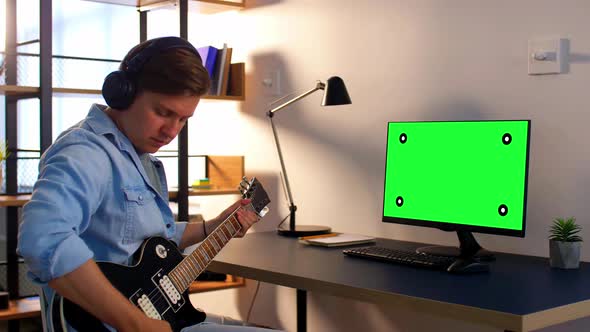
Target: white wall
<point>401,60</point>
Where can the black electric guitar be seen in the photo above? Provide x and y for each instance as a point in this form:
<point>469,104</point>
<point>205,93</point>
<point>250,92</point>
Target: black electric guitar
<point>158,283</point>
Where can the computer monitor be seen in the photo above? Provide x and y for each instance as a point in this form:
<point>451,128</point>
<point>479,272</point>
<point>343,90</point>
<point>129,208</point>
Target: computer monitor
<point>463,176</point>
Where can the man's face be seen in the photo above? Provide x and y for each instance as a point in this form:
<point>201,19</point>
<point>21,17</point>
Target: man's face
<point>155,119</point>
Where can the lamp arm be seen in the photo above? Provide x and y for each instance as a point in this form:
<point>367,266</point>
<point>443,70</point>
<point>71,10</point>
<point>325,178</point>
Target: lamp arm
<point>270,115</point>
<point>319,86</point>
<point>278,145</point>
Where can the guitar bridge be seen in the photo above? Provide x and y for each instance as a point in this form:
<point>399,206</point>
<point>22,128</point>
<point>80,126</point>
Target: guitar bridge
<point>148,308</point>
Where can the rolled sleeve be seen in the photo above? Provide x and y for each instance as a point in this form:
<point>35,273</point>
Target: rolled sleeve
<point>69,254</point>
<point>51,252</point>
<point>72,178</point>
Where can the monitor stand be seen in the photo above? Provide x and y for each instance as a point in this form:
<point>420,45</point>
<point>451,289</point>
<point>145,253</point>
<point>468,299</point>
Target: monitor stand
<point>469,248</point>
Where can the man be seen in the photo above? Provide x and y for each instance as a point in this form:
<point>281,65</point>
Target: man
<point>100,193</point>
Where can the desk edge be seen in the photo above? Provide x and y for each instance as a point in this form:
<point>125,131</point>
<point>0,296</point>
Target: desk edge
<point>459,312</point>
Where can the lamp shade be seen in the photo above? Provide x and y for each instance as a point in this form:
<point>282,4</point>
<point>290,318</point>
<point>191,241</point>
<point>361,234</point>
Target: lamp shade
<point>335,92</point>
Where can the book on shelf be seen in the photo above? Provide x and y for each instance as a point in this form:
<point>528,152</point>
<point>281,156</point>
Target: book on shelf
<point>209,57</point>
<point>224,77</point>
<point>336,239</point>
<point>213,89</point>
<point>201,186</point>
<point>221,71</point>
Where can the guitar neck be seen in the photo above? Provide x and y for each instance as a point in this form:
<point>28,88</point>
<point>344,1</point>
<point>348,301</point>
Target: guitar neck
<point>194,264</point>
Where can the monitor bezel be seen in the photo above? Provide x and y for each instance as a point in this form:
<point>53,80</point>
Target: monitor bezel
<point>446,226</point>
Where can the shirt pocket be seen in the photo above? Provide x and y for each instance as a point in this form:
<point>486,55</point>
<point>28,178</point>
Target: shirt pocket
<point>143,217</point>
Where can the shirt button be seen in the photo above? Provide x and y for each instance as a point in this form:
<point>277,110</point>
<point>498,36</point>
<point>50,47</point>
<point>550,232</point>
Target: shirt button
<point>168,225</point>
<point>140,198</point>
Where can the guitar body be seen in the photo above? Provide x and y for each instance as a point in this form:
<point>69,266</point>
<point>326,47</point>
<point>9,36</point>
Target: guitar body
<point>139,283</point>
<point>158,284</point>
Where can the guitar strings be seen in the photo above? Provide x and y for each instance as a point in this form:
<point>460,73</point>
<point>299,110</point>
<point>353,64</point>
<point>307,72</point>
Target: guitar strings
<point>156,297</point>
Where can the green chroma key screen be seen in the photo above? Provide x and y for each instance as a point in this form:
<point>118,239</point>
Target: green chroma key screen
<point>464,175</point>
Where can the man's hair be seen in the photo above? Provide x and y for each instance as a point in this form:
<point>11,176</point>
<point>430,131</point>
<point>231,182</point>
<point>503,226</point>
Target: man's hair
<point>176,71</point>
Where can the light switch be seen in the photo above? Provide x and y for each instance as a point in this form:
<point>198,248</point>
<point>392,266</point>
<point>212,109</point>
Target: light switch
<point>547,56</point>
<point>271,81</point>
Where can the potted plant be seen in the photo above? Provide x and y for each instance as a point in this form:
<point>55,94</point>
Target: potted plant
<point>564,243</point>
<point>4,153</point>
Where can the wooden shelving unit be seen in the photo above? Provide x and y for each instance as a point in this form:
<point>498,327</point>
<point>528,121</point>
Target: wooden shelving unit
<point>173,195</point>
<point>226,182</point>
<point>224,172</point>
<point>15,90</point>
<point>236,98</point>
<point>20,200</point>
<point>33,91</point>
<point>14,200</point>
<point>237,83</point>
<point>206,286</point>
<point>203,6</point>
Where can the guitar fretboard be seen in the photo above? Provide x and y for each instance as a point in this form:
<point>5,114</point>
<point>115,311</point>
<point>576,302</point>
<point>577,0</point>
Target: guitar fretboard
<point>194,264</point>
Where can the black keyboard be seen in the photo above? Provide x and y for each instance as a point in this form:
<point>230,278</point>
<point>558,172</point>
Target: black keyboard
<point>401,257</point>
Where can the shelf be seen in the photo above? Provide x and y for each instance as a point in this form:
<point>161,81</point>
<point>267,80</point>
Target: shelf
<point>173,194</point>
<point>22,308</point>
<point>203,6</point>
<point>77,91</point>
<point>15,90</point>
<point>237,98</point>
<point>14,200</point>
<point>20,200</point>
<point>206,286</point>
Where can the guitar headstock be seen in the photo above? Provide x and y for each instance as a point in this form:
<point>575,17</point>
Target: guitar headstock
<point>253,190</point>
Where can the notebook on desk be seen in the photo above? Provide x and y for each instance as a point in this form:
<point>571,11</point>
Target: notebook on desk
<point>336,239</point>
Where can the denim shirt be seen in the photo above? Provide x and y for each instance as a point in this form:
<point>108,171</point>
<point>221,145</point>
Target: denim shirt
<point>93,200</point>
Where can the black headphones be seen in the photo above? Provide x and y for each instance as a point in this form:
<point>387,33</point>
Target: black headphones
<point>119,87</point>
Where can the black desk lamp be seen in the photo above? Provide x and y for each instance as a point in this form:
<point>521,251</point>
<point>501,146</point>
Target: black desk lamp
<point>334,94</point>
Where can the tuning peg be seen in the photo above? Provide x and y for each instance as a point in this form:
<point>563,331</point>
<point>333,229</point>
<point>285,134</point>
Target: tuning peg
<point>244,192</point>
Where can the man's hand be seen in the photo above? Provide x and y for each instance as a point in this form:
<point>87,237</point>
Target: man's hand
<point>103,301</point>
<point>245,217</point>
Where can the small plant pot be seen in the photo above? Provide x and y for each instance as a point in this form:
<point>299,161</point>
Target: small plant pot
<point>564,255</point>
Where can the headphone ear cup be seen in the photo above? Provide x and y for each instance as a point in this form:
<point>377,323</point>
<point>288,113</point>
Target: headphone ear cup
<point>118,90</point>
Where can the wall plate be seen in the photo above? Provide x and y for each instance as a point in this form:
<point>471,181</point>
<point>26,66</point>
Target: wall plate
<point>546,56</point>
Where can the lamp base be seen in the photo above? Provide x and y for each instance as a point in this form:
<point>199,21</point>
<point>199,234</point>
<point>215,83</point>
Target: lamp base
<point>304,230</point>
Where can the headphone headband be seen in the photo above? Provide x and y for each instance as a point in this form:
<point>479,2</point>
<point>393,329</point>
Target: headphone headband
<point>158,45</point>
<point>119,87</point>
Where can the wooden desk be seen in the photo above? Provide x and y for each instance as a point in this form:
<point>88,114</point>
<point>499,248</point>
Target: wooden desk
<point>521,293</point>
